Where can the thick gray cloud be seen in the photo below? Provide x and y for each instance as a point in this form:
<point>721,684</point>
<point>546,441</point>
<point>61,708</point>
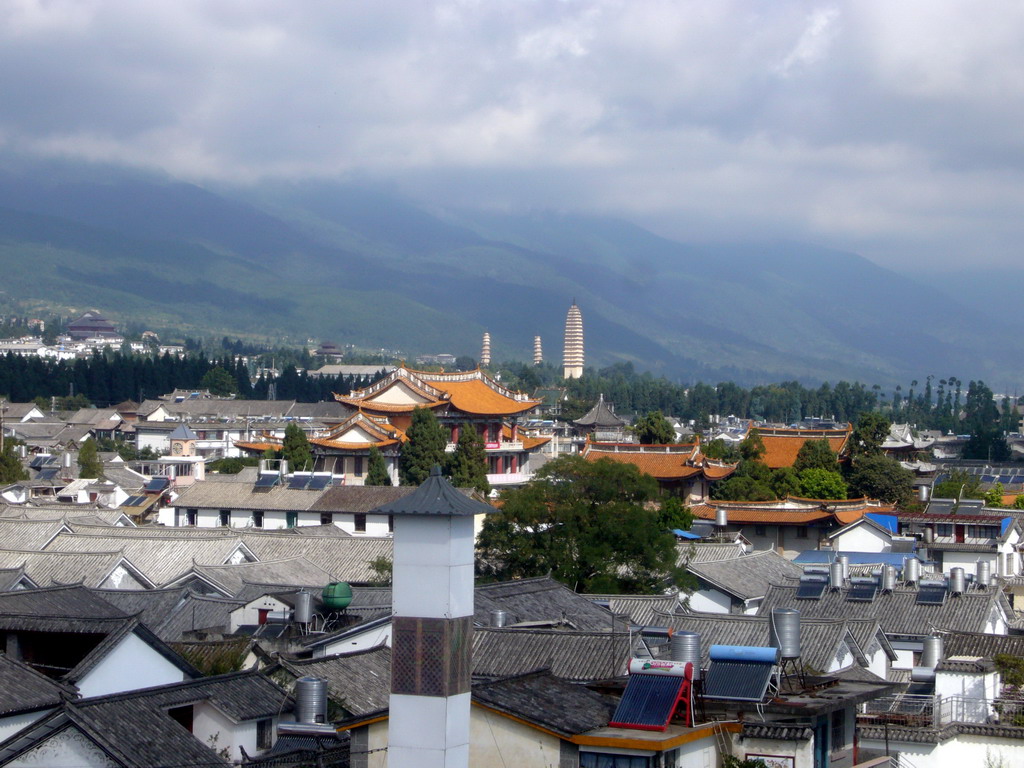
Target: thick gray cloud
<point>890,128</point>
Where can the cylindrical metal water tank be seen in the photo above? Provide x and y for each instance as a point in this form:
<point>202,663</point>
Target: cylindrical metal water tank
<point>721,517</point>
<point>498,618</point>
<point>889,578</point>
<point>685,646</point>
<point>931,654</point>
<point>957,581</point>
<point>929,536</point>
<point>1002,563</point>
<point>984,573</point>
<point>784,632</point>
<point>844,561</point>
<point>911,570</point>
<point>303,607</point>
<point>835,575</point>
<point>924,492</point>
<point>311,700</point>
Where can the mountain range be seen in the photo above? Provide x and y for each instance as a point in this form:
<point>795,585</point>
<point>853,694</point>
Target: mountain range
<point>361,264</point>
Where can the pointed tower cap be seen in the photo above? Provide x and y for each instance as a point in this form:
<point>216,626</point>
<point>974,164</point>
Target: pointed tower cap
<point>435,497</point>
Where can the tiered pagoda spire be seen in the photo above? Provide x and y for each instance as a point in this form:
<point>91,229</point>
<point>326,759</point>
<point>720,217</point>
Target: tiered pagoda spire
<point>485,351</point>
<point>572,356</point>
<point>538,353</point>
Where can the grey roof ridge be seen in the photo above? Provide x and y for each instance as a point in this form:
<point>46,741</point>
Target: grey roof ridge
<point>65,688</point>
<point>290,662</point>
<point>195,682</point>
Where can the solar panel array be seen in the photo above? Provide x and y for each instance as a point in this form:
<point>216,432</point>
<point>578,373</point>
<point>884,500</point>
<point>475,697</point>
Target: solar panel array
<point>299,482</point>
<point>648,702</point>
<point>157,484</point>
<point>267,481</point>
<point>319,482</point>
<point>931,594</point>
<point>47,474</point>
<point>136,501</point>
<point>737,680</point>
<point>863,593</point>
<point>811,589</point>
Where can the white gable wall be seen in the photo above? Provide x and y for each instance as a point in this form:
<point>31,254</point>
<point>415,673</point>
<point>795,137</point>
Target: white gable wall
<point>217,731</point>
<point>131,664</point>
<point>862,538</point>
<point>68,748</point>
<point>709,600</point>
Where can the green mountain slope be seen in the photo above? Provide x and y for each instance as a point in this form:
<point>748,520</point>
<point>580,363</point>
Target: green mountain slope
<point>368,267</point>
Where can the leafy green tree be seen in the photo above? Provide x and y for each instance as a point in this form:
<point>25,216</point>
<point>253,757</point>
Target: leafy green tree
<point>743,488</point>
<point>219,382</point>
<point>1018,501</point>
<point>994,496</point>
<point>752,446</point>
<point>817,483</point>
<point>377,469</point>
<point>383,568</point>
<point>982,422</point>
<point>588,524</point>
<point>467,465</point>
<point>785,482</point>
<point>295,448</point>
<point>673,514</point>
<point>89,465</point>
<point>425,448</point>
<point>11,469</point>
<point>880,477</point>
<point>654,429</point>
<point>720,450</point>
<point>816,454</point>
<point>869,434</point>
<point>959,485</point>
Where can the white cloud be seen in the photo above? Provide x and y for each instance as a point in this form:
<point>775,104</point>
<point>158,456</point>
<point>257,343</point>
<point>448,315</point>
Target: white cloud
<point>893,127</point>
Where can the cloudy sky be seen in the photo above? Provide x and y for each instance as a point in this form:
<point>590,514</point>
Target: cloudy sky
<point>890,128</point>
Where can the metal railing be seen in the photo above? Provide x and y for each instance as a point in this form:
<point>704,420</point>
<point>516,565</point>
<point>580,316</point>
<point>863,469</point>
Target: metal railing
<point>938,711</point>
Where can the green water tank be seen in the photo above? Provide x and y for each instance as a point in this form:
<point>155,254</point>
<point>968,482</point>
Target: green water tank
<point>337,595</point>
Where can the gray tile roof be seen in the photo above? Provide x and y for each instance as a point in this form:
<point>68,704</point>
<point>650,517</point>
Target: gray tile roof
<point>748,576</point>
<point>135,730</point>
<point>214,494</point>
<point>48,568</point>
<point>62,602</point>
<point>162,558</point>
<point>576,656</point>
<point>22,689</point>
<point>360,682</point>
<point>18,533</point>
<point>171,613</point>
<point>345,559</point>
<point>545,700</point>
<point>293,572</point>
<point>641,610</point>
<point>820,639</point>
<point>53,510</point>
<point>980,644</point>
<point>706,552</point>
<point>359,498</point>
<point>542,600</point>
<point>898,612</point>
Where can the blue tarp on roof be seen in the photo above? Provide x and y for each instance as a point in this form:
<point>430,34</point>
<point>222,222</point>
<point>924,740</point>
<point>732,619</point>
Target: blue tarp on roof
<point>1007,521</point>
<point>889,522</point>
<point>684,534</point>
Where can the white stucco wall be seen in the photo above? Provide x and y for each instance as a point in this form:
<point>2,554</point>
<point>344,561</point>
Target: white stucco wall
<point>496,741</point>
<point>803,751</point>
<point>131,665</point>
<point>968,561</point>
<point>369,639</point>
<point>709,600</point>
<point>862,538</point>
<point>67,749</point>
<point>217,731</point>
<point>122,578</point>
<point>964,750</point>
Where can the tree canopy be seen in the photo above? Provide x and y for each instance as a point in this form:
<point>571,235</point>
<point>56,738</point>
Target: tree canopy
<point>588,524</point>
<point>881,477</point>
<point>11,469</point>
<point>869,434</point>
<point>219,382</point>
<point>377,469</point>
<point>89,464</point>
<point>817,483</point>
<point>295,448</point>
<point>960,484</point>
<point>654,429</point>
<point>425,448</point>
<point>467,465</point>
<point>816,454</point>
